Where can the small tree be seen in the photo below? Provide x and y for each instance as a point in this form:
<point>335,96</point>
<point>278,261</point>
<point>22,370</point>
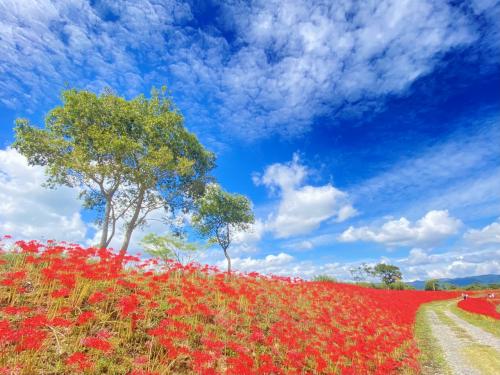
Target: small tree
<point>388,273</point>
<point>170,246</point>
<point>220,215</point>
<point>361,272</point>
<point>432,284</point>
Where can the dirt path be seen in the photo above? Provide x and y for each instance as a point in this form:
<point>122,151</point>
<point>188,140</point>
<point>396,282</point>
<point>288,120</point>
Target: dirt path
<point>467,349</point>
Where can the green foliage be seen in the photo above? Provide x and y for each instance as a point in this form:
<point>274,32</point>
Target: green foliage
<point>399,285</point>
<point>432,284</point>
<point>220,215</point>
<point>447,286</point>
<point>325,278</point>
<point>128,157</point>
<point>388,273</point>
<point>475,286</point>
<point>170,246</point>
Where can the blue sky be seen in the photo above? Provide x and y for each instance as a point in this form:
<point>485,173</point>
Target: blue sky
<point>361,131</point>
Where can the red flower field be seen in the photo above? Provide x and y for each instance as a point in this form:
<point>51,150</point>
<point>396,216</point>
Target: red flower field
<point>481,306</point>
<point>67,309</point>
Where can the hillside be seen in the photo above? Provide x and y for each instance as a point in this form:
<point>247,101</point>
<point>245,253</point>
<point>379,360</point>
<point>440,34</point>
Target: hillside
<point>462,281</point>
<point>67,309</point>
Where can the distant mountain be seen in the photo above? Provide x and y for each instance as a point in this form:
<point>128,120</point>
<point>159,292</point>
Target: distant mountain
<point>463,281</point>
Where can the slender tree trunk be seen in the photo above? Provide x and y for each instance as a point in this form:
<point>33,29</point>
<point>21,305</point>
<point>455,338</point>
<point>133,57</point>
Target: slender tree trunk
<point>105,224</point>
<point>132,224</point>
<point>228,261</point>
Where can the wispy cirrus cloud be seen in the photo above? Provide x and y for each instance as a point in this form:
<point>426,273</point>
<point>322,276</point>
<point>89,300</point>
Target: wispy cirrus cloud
<point>459,173</point>
<point>258,69</point>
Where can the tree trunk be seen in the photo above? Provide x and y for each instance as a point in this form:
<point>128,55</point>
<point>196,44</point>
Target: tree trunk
<point>228,261</point>
<point>105,224</point>
<point>132,224</point>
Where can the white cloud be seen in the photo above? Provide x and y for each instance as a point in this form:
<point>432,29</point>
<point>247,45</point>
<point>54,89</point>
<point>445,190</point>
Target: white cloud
<point>30,211</point>
<point>302,208</point>
<point>271,264</point>
<point>305,54</point>
<point>430,230</point>
<point>490,234</point>
<point>246,242</point>
<point>422,264</point>
<point>286,63</point>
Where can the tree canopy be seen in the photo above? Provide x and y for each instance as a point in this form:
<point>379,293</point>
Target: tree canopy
<point>220,215</point>
<point>127,157</point>
<point>388,273</point>
<point>432,284</point>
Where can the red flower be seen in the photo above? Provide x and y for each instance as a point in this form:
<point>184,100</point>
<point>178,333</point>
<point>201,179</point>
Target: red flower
<point>85,317</point>
<point>59,293</point>
<point>79,360</point>
<point>97,343</point>
<point>128,304</point>
<point>97,297</point>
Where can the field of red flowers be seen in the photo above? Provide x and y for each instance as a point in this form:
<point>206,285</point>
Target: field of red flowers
<point>481,305</point>
<point>67,309</point>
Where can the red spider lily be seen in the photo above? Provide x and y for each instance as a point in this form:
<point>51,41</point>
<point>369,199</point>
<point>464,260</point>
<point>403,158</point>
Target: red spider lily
<point>61,293</point>
<point>98,343</point>
<point>97,297</point>
<point>13,310</point>
<point>85,317</point>
<point>128,305</point>
<point>60,322</point>
<point>479,306</point>
<point>194,319</point>
<point>30,339</point>
<point>79,360</point>
<point>10,278</point>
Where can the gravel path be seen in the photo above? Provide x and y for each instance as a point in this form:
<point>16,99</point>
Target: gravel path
<point>451,345</point>
<point>479,335</point>
<point>455,335</point>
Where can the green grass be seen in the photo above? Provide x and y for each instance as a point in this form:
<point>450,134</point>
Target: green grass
<point>431,356</point>
<point>484,358</point>
<point>488,324</point>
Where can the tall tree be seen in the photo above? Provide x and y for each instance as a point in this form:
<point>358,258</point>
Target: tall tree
<point>128,157</point>
<point>221,215</point>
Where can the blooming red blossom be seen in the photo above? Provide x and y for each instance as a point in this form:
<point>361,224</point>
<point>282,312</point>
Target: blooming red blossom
<point>97,297</point>
<point>85,317</point>
<point>128,305</point>
<point>97,343</point>
<point>79,360</point>
<point>479,306</point>
<point>195,319</point>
